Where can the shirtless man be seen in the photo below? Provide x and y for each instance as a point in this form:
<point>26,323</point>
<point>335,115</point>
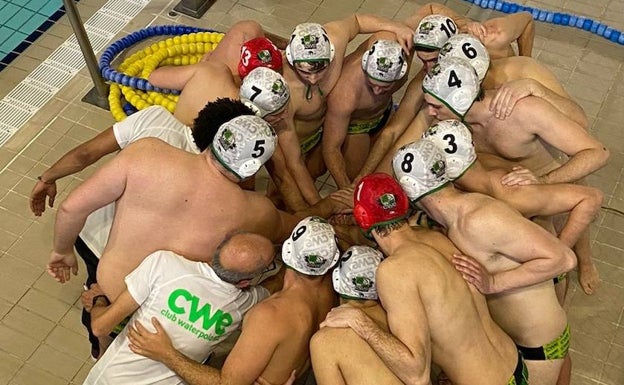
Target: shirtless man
<point>265,92</point>
<point>242,49</point>
<point>517,279</point>
<point>197,196</point>
<point>276,332</point>
<point>200,304</point>
<point>412,282</point>
<point>315,55</point>
<point>497,33</point>
<point>433,31</point>
<point>467,171</point>
<point>361,103</point>
<point>155,122</point>
<point>338,354</point>
<point>530,136</point>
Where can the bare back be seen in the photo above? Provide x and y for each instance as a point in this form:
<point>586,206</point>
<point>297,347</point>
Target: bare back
<point>531,315</point>
<point>175,201</point>
<point>276,333</point>
<point>417,276</point>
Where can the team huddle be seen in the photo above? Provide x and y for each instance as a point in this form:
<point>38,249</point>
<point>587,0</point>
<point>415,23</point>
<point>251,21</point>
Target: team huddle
<point>440,258</point>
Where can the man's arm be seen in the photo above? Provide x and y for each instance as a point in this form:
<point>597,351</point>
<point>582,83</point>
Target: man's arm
<point>157,346</point>
<point>174,77</point>
<point>105,317</point>
<point>244,364</point>
<point>543,259</point>
<point>289,144</point>
<point>407,349</point>
<point>260,337</point>
<point>72,162</point>
<point>517,27</point>
<point>348,28</point>
<point>509,93</point>
<point>408,109</point>
<point>335,129</point>
<point>582,202</point>
<point>436,9</point>
<point>103,187</point>
<point>586,153</point>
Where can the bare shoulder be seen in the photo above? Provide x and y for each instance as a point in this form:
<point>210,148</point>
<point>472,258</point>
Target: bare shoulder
<point>269,317</point>
<point>146,145</point>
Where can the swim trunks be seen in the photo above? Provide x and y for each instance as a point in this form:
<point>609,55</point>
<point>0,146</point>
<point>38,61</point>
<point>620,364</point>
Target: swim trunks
<point>521,374</point>
<point>560,278</point>
<point>372,126</point>
<point>311,141</point>
<point>554,350</point>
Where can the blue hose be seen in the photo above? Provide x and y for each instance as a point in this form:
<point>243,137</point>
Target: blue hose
<point>115,48</point>
<point>557,18</point>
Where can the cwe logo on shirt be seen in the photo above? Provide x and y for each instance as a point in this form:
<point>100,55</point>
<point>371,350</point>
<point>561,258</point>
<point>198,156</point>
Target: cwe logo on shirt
<point>183,302</point>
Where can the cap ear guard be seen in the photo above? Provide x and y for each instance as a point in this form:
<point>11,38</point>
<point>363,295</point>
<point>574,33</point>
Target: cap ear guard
<point>311,248</point>
<point>454,82</point>
<point>378,200</point>
<point>264,91</point>
<point>470,48</point>
<point>454,139</point>
<point>355,275</point>
<point>244,144</point>
<point>420,168</point>
<point>384,53</point>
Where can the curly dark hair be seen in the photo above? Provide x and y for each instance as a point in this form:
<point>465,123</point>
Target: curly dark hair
<point>212,116</point>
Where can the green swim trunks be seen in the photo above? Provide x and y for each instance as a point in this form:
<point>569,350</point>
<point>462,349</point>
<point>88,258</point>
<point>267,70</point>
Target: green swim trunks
<point>311,141</point>
<point>371,126</point>
<point>560,278</point>
<point>521,374</point>
<point>554,350</point>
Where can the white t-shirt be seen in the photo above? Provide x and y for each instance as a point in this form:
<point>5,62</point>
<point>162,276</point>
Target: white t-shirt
<point>196,308</point>
<point>152,122</point>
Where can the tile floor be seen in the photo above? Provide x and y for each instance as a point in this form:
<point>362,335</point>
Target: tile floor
<point>41,339</point>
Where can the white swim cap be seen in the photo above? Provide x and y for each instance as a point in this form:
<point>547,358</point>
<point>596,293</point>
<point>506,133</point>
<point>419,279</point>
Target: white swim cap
<point>309,42</point>
<point>455,83</point>
<point>264,91</point>
<point>244,144</point>
<point>467,47</point>
<point>455,140</point>
<point>385,61</point>
<point>354,277</point>
<point>433,31</point>
<point>311,248</point>
<point>420,168</point>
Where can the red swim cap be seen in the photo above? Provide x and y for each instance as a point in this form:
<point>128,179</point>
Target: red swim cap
<point>379,199</point>
<point>259,52</point>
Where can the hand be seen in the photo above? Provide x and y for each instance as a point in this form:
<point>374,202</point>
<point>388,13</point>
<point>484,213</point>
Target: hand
<point>477,30</point>
<point>60,265</point>
<point>291,379</point>
<point>508,95</point>
<point>156,346</point>
<point>38,196</point>
<point>342,219</point>
<point>345,316</point>
<point>520,176</point>
<point>405,37</point>
<point>342,200</point>
<point>474,273</point>
<point>87,296</point>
